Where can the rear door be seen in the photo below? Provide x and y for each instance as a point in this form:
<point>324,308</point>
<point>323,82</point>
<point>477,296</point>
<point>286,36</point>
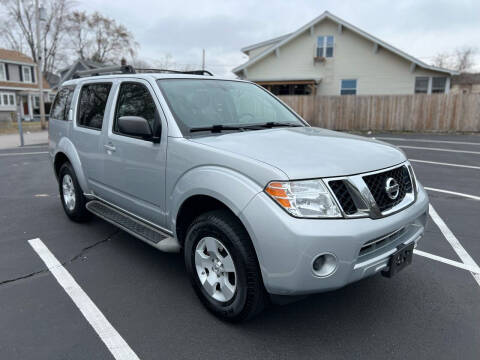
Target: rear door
<point>94,102</point>
<point>135,168</point>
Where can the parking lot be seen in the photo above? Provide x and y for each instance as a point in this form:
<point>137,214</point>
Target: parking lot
<point>431,310</point>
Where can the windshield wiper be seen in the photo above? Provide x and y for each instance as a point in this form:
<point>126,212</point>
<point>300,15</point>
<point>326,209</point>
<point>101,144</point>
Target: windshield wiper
<point>217,128</point>
<point>272,124</point>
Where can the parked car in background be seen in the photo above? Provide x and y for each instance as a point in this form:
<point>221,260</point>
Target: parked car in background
<point>262,206</point>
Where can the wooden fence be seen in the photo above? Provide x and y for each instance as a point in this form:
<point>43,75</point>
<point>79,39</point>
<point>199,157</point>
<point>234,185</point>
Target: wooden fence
<point>420,112</point>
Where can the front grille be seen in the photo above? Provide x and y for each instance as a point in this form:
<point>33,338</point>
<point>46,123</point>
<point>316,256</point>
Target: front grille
<point>375,244</point>
<point>343,196</point>
<point>377,183</point>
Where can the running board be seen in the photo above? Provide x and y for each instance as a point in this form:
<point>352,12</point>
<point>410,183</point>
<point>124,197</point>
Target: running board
<point>155,237</point>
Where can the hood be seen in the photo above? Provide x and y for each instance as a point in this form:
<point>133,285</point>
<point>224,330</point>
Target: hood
<point>308,152</point>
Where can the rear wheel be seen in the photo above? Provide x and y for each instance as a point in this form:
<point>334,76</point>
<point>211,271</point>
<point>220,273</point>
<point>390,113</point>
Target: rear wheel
<point>71,194</point>
<point>223,267</point>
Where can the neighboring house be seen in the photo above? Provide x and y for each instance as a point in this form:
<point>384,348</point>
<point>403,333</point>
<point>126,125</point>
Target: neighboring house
<point>68,72</point>
<point>466,83</point>
<point>329,56</point>
<point>19,85</point>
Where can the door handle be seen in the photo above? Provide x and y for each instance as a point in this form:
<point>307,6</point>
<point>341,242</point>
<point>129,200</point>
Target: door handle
<point>111,148</point>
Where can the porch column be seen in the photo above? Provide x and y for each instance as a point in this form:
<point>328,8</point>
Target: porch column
<point>30,106</point>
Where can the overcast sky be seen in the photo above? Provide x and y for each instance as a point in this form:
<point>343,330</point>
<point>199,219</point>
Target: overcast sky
<point>181,28</point>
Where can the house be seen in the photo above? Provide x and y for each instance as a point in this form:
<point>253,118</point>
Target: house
<point>19,85</point>
<point>466,83</point>
<point>68,72</point>
<point>329,56</point>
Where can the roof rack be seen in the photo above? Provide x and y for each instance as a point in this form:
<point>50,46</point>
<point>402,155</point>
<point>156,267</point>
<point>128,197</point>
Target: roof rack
<point>190,72</point>
<point>129,69</point>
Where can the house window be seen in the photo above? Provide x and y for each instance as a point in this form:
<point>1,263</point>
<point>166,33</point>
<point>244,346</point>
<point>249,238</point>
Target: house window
<point>438,85</point>
<point>36,102</point>
<point>27,74</point>
<point>348,87</point>
<point>325,46</point>
<point>3,73</point>
<point>7,99</point>
<point>421,84</point>
<point>290,89</point>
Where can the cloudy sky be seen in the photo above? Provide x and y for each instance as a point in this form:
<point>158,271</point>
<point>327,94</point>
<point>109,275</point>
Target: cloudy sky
<point>182,28</point>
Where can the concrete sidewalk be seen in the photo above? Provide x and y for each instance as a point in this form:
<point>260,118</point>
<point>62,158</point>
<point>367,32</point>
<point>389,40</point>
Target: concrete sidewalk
<point>8,141</point>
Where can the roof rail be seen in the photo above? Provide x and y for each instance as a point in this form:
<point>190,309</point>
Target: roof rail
<point>190,72</point>
<point>123,69</point>
<point>129,69</point>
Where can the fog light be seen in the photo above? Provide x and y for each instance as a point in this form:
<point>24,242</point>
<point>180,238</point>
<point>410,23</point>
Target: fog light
<point>324,265</point>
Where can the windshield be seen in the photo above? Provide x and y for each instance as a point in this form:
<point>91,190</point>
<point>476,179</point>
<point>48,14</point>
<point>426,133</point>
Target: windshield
<point>202,103</point>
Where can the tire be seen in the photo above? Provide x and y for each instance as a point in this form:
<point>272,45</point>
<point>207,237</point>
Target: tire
<point>233,243</point>
<point>70,188</point>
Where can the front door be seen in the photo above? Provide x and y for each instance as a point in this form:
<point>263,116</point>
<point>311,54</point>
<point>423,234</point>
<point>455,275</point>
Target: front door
<point>25,105</point>
<point>134,169</point>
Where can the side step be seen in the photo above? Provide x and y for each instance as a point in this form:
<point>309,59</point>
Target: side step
<point>133,226</point>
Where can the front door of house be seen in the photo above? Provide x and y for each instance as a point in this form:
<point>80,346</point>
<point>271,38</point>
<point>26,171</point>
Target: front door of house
<point>25,106</point>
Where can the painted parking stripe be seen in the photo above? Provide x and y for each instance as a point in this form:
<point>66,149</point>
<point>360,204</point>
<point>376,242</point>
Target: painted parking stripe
<point>457,264</point>
<point>439,149</point>
<point>430,141</point>
<point>24,153</point>
<point>107,333</point>
<point>453,193</point>
<point>445,164</point>
<point>453,241</point>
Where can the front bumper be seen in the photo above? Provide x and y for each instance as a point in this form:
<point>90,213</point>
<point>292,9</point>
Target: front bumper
<point>286,246</point>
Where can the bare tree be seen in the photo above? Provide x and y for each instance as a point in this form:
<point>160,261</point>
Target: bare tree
<point>461,59</point>
<point>18,29</point>
<point>99,38</point>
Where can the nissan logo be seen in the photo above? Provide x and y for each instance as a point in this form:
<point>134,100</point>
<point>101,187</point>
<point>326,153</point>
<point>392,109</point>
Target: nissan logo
<point>392,188</point>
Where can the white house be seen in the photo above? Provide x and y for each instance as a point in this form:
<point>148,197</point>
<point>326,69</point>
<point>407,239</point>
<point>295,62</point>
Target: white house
<point>329,56</point>
<point>19,86</point>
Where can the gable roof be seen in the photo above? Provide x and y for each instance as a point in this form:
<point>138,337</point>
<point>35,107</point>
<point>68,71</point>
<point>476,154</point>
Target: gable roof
<point>15,56</point>
<point>328,15</point>
<point>264,43</point>
<point>80,64</point>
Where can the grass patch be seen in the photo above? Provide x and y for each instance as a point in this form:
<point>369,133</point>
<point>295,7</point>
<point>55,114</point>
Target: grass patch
<point>12,128</point>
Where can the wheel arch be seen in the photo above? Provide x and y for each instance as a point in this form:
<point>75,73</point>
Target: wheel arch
<point>66,152</point>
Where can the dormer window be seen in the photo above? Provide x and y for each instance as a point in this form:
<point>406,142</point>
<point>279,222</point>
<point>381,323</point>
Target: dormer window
<point>27,74</point>
<point>325,46</point>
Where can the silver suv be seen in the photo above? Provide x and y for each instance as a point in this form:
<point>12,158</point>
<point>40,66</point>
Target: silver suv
<point>261,205</point>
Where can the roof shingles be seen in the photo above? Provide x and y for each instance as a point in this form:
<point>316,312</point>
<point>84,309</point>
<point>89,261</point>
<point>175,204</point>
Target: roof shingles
<point>13,55</point>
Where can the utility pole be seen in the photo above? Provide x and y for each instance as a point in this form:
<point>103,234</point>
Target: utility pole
<point>38,17</point>
<point>203,59</point>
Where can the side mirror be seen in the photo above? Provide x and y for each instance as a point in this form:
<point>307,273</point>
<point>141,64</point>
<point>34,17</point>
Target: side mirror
<point>135,126</point>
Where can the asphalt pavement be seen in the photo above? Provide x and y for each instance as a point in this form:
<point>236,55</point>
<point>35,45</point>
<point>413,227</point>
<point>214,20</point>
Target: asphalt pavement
<point>431,310</point>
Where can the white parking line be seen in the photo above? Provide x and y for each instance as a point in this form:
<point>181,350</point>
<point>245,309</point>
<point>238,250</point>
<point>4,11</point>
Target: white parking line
<point>445,164</point>
<point>431,141</point>
<point>107,333</point>
<point>24,153</point>
<point>453,193</point>
<point>452,239</point>
<point>439,149</point>
<point>447,261</point>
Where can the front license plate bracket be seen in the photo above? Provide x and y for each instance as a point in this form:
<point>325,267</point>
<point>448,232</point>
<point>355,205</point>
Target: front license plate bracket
<point>399,260</point>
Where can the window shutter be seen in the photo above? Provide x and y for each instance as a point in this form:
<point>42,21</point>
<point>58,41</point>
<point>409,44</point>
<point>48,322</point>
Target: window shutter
<point>32,69</point>
<point>21,72</point>
<point>7,76</point>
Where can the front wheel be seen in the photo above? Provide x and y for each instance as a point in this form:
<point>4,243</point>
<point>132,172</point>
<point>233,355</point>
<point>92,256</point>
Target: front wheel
<point>71,194</point>
<point>223,267</point>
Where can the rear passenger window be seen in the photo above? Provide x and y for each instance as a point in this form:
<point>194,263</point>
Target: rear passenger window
<point>134,99</point>
<point>91,105</point>
<point>61,104</point>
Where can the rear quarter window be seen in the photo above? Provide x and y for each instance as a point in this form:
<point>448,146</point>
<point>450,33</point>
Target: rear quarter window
<point>61,104</point>
<point>91,105</point>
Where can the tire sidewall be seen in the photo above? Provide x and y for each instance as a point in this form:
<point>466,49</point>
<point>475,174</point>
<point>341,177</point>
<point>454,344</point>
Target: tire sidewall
<point>203,228</point>
<point>66,169</point>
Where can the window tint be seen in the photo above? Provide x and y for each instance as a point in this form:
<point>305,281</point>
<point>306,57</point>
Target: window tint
<point>134,99</point>
<point>91,105</point>
<point>62,103</point>
<point>349,87</point>
<point>421,84</point>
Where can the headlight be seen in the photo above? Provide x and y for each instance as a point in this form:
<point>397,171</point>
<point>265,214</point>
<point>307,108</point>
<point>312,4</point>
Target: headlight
<point>304,198</point>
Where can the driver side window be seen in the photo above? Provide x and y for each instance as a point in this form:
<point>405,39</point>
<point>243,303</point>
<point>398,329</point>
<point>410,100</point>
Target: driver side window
<point>134,99</point>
